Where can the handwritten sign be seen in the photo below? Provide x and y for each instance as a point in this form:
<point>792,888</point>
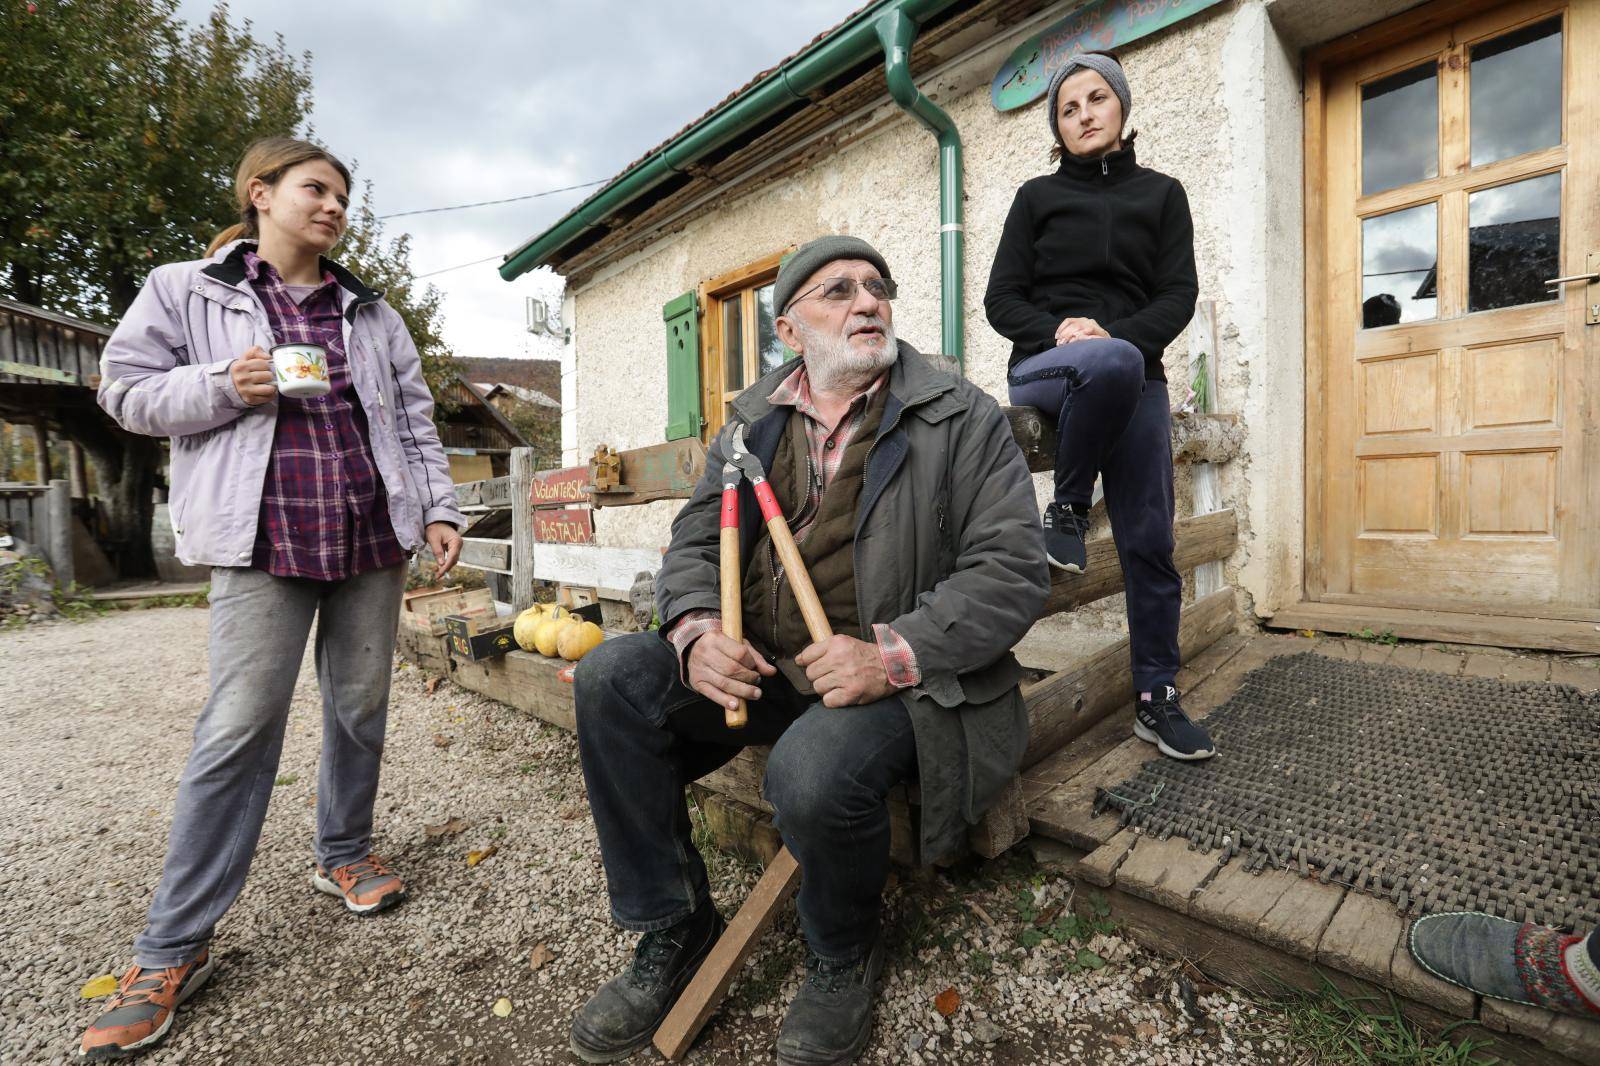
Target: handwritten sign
<point>1099,25</point>
<point>552,488</point>
<point>568,526</point>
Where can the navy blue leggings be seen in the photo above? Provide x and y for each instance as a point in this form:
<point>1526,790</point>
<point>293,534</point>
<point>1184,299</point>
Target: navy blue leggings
<point>1111,421</point>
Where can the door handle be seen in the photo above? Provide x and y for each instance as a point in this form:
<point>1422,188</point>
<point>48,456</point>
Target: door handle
<point>1551,283</point>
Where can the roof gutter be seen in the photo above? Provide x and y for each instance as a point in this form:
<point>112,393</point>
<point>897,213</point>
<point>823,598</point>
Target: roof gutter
<point>896,30</point>
<point>852,43</point>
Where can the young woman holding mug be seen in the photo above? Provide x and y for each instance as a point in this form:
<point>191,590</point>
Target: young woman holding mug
<point>1093,278</point>
<point>308,507</point>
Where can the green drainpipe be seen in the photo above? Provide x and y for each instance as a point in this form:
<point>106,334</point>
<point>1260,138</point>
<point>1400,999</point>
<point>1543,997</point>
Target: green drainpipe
<point>896,30</point>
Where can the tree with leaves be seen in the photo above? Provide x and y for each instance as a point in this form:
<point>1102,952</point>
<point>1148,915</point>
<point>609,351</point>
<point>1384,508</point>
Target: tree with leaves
<point>120,128</point>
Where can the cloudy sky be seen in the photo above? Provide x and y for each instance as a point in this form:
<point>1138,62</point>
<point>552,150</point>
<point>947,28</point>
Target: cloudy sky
<point>457,101</point>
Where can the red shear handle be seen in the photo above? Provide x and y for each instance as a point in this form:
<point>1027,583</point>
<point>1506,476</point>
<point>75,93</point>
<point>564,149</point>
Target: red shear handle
<point>768,502</point>
<point>730,508</point>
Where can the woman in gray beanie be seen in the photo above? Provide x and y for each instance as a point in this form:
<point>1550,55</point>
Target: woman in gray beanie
<point>1093,278</point>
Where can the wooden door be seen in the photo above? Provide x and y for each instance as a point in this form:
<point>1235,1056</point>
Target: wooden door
<point>1453,404</point>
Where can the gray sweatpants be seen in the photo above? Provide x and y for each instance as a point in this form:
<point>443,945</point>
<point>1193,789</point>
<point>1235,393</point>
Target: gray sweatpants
<point>259,627</point>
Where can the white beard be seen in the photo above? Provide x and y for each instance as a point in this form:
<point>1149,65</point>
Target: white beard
<point>835,365</point>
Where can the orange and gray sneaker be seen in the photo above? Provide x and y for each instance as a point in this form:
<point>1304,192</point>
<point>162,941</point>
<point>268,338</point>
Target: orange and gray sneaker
<point>366,887</point>
<point>140,1015</point>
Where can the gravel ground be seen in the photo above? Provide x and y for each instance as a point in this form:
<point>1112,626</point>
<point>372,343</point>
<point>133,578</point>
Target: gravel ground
<point>96,724</point>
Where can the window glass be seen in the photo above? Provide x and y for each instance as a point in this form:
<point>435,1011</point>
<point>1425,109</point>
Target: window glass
<point>1516,92</point>
<point>1400,129</point>
<point>773,352</point>
<point>733,344</point>
<point>1513,243</point>
<point>1399,266</point>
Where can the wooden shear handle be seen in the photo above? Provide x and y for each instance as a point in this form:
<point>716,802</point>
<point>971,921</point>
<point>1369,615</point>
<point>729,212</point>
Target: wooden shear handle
<point>732,591</point>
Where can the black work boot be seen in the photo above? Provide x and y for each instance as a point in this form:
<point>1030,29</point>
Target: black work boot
<point>624,1014</point>
<point>1064,530</point>
<point>831,1016</point>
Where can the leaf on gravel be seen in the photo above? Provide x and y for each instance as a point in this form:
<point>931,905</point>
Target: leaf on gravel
<point>442,741</point>
<point>542,957</point>
<point>1145,1031</point>
<point>448,828</point>
<point>1089,960</point>
<point>417,1002</point>
<point>570,814</point>
<point>502,1007</point>
<point>475,857</point>
<point>433,684</point>
<point>96,987</point>
<point>947,1002</point>
<point>1047,916</point>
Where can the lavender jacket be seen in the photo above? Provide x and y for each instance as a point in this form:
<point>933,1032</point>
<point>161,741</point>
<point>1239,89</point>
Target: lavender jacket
<point>164,373</point>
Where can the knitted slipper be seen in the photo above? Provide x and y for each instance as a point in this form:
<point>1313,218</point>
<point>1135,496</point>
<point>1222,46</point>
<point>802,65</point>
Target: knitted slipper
<point>1500,959</point>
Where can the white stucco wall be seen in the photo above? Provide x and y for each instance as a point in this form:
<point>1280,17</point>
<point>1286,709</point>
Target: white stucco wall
<point>1217,104</point>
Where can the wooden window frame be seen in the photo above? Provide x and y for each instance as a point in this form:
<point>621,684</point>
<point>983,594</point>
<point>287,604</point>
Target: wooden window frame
<point>715,295</point>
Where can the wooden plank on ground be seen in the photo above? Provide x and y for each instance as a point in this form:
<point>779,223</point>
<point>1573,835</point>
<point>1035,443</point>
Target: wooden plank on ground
<point>1361,938</point>
<point>1070,701</point>
<point>1168,872</point>
<point>524,680</point>
<point>1413,982</point>
<point>1549,634</point>
<point>699,999</point>
<point>1295,923</point>
<point>1197,539</point>
<point>667,471</point>
<point>1099,867</point>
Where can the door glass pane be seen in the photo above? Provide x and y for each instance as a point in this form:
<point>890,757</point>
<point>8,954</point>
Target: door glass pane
<point>733,343</point>
<point>1516,92</point>
<point>1399,266</point>
<point>1400,129</point>
<point>1513,243</point>
<point>774,353</point>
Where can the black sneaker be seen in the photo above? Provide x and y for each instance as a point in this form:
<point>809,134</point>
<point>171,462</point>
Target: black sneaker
<point>1161,721</point>
<point>625,1013</point>
<point>1064,530</point>
<point>831,1017</point>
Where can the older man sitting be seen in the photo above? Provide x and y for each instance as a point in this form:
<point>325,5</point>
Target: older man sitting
<point>914,513</point>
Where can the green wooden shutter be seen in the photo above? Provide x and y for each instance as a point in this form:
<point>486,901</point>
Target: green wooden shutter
<point>682,316</point>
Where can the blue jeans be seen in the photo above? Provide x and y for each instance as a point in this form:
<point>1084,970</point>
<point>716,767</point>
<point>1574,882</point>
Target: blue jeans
<point>259,627</point>
<point>1111,421</point>
<point>643,736</point>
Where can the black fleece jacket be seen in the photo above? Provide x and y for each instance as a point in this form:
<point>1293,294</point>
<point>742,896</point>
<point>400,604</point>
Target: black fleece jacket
<point>1104,239</point>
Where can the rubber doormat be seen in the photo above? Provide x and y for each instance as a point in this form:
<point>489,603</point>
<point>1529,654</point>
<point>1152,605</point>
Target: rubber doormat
<point>1435,792</point>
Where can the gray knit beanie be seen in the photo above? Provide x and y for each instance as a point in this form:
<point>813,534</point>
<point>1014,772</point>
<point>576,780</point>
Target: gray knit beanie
<point>811,257</point>
<point>1103,65</point>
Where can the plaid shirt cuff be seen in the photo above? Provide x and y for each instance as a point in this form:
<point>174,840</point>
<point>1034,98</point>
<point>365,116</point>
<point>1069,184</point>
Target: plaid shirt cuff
<point>689,628</point>
<point>899,661</point>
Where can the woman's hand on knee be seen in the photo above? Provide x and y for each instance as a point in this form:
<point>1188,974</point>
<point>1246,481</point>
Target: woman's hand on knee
<point>724,670</point>
<point>1078,329</point>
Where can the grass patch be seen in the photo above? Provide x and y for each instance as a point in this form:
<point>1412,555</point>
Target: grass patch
<point>285,779</point>
<point>1332,1029</point>
<point>1386,638</point>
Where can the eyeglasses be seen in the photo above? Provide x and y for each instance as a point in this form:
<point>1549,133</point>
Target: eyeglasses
<point>843,289</point>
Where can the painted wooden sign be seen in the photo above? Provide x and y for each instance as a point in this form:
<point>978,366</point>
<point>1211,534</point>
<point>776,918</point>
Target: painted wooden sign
<point>552,488</point>
<point>660,472</point>
<point>567,526</point>
<point>1096,26</point>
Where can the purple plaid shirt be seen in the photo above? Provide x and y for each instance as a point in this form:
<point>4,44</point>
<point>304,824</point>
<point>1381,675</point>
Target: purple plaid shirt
<point>324,514</point>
